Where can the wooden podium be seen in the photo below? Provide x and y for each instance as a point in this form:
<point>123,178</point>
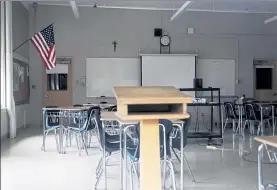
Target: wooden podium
<point>149,104</point>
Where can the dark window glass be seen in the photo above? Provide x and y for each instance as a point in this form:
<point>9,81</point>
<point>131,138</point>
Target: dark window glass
<point>264,78</point>
<point>56,81</point>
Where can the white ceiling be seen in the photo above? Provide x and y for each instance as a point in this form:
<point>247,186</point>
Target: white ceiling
<point>240,6</point>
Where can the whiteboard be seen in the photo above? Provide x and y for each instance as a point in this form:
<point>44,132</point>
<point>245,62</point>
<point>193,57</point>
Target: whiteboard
<point>168,70</point>
<point>217,73</point>
<point>102,74</point>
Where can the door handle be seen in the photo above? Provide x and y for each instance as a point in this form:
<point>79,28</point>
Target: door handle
<point>45,96</point>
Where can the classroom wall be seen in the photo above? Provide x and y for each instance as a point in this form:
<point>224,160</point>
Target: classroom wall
<point>241,37</point>
<point>20,24</point>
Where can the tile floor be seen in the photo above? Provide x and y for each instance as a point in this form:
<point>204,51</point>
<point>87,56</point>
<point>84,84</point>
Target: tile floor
<point>25,167</point>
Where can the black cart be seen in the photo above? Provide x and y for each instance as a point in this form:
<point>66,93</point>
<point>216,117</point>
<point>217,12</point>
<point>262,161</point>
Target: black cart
<point>214,97</point>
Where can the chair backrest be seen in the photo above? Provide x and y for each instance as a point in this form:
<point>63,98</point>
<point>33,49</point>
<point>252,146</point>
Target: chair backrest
<point>90,124</point>
<point>176,140</point>
<point>78,105</point>
<point>275,107</point>
<point>250,112</point>
<point>249,100</point>
<point>97,120</point>
<point>52,117</point>
<point>164,142</point>
<point>112,108</point>
<point>229,108</point>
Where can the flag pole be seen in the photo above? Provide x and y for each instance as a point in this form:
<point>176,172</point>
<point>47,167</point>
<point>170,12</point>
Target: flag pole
<point>29,39</point>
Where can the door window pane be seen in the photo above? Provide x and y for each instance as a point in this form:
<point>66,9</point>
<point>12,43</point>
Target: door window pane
<point>264,78</point>
<point>57,81</point>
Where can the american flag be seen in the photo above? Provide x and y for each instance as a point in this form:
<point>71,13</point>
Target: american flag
<point>44,42</point>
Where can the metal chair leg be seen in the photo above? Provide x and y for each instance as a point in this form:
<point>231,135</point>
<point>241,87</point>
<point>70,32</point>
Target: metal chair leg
<point>259,128</point>
<point>226,121</point>
<point>43,141</point>
<point>190,172</point>
<point>84,142</point>
<point>78,144</point>
<point>244,125</point>
<point>234,125</point>
<point>98,179</point>
<point>135,171</point>
<point>172,173</point>
<point>131,177</point>
<point>163,166</point>
<point>185,159</point>
<point>99,163</point>
<point>57,140</point>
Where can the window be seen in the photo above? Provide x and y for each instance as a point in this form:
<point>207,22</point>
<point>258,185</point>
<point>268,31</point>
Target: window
<point>57,81</point>
<point>263,78</point>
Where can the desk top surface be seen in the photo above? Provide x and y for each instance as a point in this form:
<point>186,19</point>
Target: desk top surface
<point>111,116</point>
<point>150,94</point>
<point>269,140</point>
<point>68,108</point>
<point>266,103</point>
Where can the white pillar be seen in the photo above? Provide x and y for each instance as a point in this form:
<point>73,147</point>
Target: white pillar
<point>3,59</point>
<point>9,70</point>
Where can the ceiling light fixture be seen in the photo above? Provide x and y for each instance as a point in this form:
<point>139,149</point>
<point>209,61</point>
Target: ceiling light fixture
<point>75,9</point>
<point>182,8</point>
<point>270,19</point>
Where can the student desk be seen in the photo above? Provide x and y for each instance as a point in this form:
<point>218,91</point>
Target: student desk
<point>111,116</point>
<point>148,105</point>
<point>266,141</point>
<point>62,111</point>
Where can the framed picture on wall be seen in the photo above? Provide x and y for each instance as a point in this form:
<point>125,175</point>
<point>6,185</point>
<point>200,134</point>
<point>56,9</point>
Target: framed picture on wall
<point>21,85</point>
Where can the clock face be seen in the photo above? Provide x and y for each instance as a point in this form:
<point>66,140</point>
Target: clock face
<point>165,40</point>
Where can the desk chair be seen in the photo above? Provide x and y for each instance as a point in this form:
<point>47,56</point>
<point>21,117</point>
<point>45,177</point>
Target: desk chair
<point>76,120</point>
<point>80,128</point>
<point>52,123</point>
<point>107,145</point>
<point>176,142</point>
<point>230,114</point>
<point>133,153</point>
<point>253,114</point>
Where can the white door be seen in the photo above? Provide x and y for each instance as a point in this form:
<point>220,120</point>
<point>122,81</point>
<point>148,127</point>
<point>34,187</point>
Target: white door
<point>265,81</point>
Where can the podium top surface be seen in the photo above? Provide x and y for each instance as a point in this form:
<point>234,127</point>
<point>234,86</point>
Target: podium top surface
<point>150,94</point>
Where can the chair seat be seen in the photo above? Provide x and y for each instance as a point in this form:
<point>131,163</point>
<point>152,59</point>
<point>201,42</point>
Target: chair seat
<point>258,118</point>
<point>52,127</point>
<point>133,153</point>
<point>75,127</point>
<point>112,138</point>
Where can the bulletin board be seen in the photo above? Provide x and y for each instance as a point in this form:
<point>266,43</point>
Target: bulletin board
<point>21,82</point>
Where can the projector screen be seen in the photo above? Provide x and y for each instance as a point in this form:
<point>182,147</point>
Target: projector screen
<point>168,70</point>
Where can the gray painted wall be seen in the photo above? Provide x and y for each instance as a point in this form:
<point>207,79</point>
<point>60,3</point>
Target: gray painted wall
<point>241,37</point>
<point>20,19</point>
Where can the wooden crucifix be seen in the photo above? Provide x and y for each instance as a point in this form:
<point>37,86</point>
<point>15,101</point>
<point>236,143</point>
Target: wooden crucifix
<point>114,45</point>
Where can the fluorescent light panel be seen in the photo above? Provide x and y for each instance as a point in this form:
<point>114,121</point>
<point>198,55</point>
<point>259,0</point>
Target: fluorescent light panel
<point>74,9</point>
<point>180,10</point>
<point>270,19</point>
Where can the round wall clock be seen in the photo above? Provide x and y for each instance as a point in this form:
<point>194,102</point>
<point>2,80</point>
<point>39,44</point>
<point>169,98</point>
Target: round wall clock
<point>165,44</point>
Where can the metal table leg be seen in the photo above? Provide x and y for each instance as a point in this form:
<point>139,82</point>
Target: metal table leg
<point>121,159</point>
<point>182,157</point>
<point>273,121</point>
<point>260,167</point>
<point>43,126</point>
<point>104,156</point>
